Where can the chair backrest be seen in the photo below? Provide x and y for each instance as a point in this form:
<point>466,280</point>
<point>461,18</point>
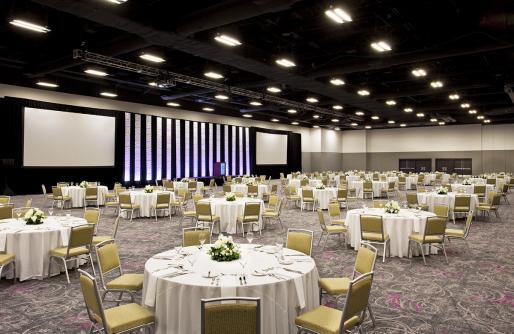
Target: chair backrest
<point>321,219</point>
<point>229,178</point>
<point>57,192</point>
<point>163,198</point>
<point>479,189</point>
<point>125,199</point>
<point>491,181</point>
<point>239,194</point>
<point>463,200</point>
<point>238,180</point>
<point>334,211</point>
<point>434,226</point>
<point>342,193</point>
<point>191,185</point>
<point>120,190</point>
<point>505,188</point>
<point>92,215</point>
<point>304,182</point>
<point>108,257</point>
<point>357,299</point>
<point>391,185</point>
<point>252,189</point>
<point>212,183</point>
<point>6,211</point>
<point>252,211</point>
<point>365,259</point>
<point>412,198</point>
<point>62,184</point>
<point>300,240</point>
<point>81,236</point>
<point>203,209</point>
<point>368,186</point>
<point>495,199</point>
<point>371,224</point>
<point>227,188</point>
<point>219,316</point>
<point>307,193</point>
<point>92,191</point>
<point>197,197</point>
<point>421,189</point>
<point>191,236</point>
<point>441,210</point>
<point>92,298</point>
<point>273,201</point>
<point>43,188</point>
<point>379,203</point>
<point>183,193</point>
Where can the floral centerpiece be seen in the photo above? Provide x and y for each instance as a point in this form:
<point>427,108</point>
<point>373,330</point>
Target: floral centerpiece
<point>224,249</point>
<point>148,189</point>
<point>84,184</point>
<point>184,180</point>
<point>34,217</point>
<point>230,197</point>
<point>442,191</point>
<point>249,182</point>
<point>392,207</point>
<point>320,186</point>
<point>467,182</point>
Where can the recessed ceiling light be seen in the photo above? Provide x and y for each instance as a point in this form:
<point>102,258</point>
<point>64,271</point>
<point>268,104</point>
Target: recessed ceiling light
<point>420,114</point>
<point>152,83</point>
<point>273,89</point>
<point>433,120</point>
<point>487,121</point>
<point>465,105</point>
<point>96,72</point>
<point>337,82</point>
<point>403,125</point>
<point>292,111</point>
<point>30,26</point>
<point>436,84</point>
<point>152,58</point>
<point>419,72</point>
<point>337,128</point>
<point>207,109</point>
<point>441,123</point>
<point>335,120</point>
<point>391,122</point>
<point>337,107</point>
<point>354,124</point>
<point>315,126</point>
<point>472,111</point>
<point>381,46</point>
<point>221,97</point>
<point>375,118</point>
<point>367,127</point>
<point>274,120</point>
<point>338,15</point>
<point>480,117</point>
<point>407,110</point>
<point>227,40</point>
<point>363,92</point>
<point>118,2</point>
<point>213,75</point>
<point>255,103</point>
<point>359,113</point>
<point>312,99</point>
<point>247,116</point>
<point>454,96</point>
<point>173,104</point>
<point>295,123</point>
<point>47,84</point>
<point>285,62</point>
<point>315,116</point>
<point>391,102</point>
<point>108,94</point>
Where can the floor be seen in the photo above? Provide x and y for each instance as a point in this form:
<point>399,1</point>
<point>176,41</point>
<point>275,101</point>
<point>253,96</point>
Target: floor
<point>473,294</point>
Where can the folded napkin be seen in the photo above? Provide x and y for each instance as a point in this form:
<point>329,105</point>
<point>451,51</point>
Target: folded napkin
<point>298,284</point>
<point>3,240</point>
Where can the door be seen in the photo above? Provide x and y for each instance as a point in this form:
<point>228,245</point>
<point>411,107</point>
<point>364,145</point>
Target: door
<point>415,165</point>
<point>459,166</point>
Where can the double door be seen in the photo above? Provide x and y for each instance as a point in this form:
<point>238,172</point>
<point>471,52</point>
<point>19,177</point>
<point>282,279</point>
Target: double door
<point>415,165</point>
<point>459,166</point>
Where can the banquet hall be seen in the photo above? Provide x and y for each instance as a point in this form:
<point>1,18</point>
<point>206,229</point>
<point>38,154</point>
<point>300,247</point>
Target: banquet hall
<point>256,167</point>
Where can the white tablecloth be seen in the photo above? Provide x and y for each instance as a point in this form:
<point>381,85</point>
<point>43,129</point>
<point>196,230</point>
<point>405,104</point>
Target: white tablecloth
<point>146,201</point>
<point>411,181</point>
<point>323,196</point>
<point>31,244</point>
<point>229,211</point>
<point>359,187</point>
<point>431,199</point>
<point>398,226</point>
<point>178,184</point>
<point>470,189</point>
<point>297,184</point>
<point>176,300</point>
<point>78,194</point>
<point>261,189</point>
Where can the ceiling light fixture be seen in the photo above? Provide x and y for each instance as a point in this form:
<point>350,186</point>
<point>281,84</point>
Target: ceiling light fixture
<point>441,123</point>
<point>391,102</point>
<point>337,128</point>
<point>420,114</point>
<point>30,26</point>
<point>255,103</point>
<point>152,58</point>
<point>381,46</point>
<point>47,84</point>
<point>312,100</point>
<point>285,62</point>
<point>108,94</point>
<point>354,124</point>
<point>403,125</point>
<point>207,109</point>
<point>363,92</point>
<point>337,107</point>
<point>375,118</point>
<point>292,111</point>
<point>221,97</point>
<point>480,117</point>
<point>295,123</point>
<point>315,126</point>
<point>247,116</point>
<point>359,113</point>
<point>472,111</point>
<point>465,105</point>
<point>367,127</point>
<point>117,2</point>
<point>338,15</point>
<point>153,84</point>
<point>391,122</point>
<point>433,120</point>
<point>408,110</point>
<point>419,72</point>
<point>487,121</point>
<point>454,96</point>
<point>273,89</point>
<point>335,120</point>
<point>274,120</point>
<point>213,75</point>
<point>337,82</point>
<point>436,84</point>
<point>173,104</point>
<point>96,72</point>
<point>227,40</point>
<point>315,116</point>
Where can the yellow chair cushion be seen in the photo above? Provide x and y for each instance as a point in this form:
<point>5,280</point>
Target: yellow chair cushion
<point>100,238</point>
<point>451,232</point>
<point>91,197</point>
<point>322,319</point>
<point>334,229</point>
<point>208,218</point>
<point>270,214</point>
<point>189,213</point>
<point>338,222</point>
<point>162,206</point>
<point>461,209</point>
<point>128,206</point>
<point>62,198</point>
<point>132,282</point>
<point>248,218</point>
<point>428,239</point>
<point>124,317</point>
<point>61,252</point>
<point>6,258</point>
<point>374,236</point>
<point>335,285</point>
<point>293,197</point>
<point>269,209</point>
<point>308,199</point>
<point>112,203</point>
<point>484,207</point>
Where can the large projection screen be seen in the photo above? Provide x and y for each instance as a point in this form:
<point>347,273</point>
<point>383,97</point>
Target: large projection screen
<point>54,138</point>
<point>271,149</point>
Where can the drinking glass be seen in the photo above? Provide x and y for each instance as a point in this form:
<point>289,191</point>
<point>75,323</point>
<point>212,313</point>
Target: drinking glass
<point>243,264</point>
<point>249,237</point>
<point>18,213</point>
<point>178,249</point>
<point>202,237</point>
<point>50,211</point>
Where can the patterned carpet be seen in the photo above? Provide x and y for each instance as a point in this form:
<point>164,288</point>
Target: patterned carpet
<point>473,294</point>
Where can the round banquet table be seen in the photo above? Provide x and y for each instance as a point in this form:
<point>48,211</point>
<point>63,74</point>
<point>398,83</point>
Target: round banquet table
<point>359,187</point>
<point>146,201</point>
<point>411,181</point>
<point>78,194</point>
<point>229,211</point>
<point>247,179</point>
<point>179,184</point>
<point>176,299</point>
<point>431,199</point>
<point>323,196</point>
<point>31,244</point>
<point>477,180</point>
<point>469,188</point>
<point>392,179</point>
<point>297,184</point>
<point>398,226</point>
<point>261,189</point>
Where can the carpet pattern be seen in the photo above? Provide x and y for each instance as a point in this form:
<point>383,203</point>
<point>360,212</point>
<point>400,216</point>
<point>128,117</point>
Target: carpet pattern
<point>473,294</point>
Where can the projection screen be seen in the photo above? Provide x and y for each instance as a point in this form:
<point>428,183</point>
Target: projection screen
<point>271,149</point>
<point>54,138</point>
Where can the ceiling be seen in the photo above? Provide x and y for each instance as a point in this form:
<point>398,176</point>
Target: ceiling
<point>467,45</point>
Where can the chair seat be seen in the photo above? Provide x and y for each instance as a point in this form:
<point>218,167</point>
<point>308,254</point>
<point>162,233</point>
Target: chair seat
<point>124,317</point>
<point>177,203</point>
<point>91,197</point>
<point>189,213</point>
<point>100,238</point>
<point>340,222</point>
<point>293,197</point>
<point>370,236</point>
<point>484,207</point>
<point>270,214</point>
<point>269,209</point>
<point>324,320</point>
<point>110,195</point>
<point>62,198</point>
<point>208,218</point>
<point>461,209</point>
<point>428,239</point>
<point>335,286</point>
<point>111,203</point>
<point>129,206</point>
<point>6,258</point>
<point>61,251</point>
<point>334,229</point>
<point>248,219</point>
<point>162,206</point>
<point>451,232</point>
<point>131,282</point>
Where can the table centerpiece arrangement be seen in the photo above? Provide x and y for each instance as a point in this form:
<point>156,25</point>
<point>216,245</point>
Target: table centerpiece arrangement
<point>441,191</point>
<point>34,216</point>
<point>467,182</point>
<point>148,189</point>
<point>84,184</point>
<point>392,207</point>
<point>320,186</point>
<point>230,197</point>
<point>224,249</point>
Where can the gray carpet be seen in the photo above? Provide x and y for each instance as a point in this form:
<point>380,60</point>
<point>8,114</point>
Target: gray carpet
<point>473,294</point>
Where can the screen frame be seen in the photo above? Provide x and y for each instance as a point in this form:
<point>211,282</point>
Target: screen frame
<point>286,135</point>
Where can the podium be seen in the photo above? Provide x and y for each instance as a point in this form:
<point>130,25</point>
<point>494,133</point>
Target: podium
<point>219,169</point>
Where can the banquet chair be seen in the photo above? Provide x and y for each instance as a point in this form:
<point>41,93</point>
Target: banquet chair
<point>192,187</point>
<point>268,216</point>
<point>479,190</point>
<point>341,198</point>
<point>102,238</point>
<point>462,205</point>
<point>390,191</point>
<point>251,216</point>
<point>304,183</point>
<point>511,183</point>
<point>92,216</point>
<point>328,230</point>
<point>351,196</point>
<point>79,244</point>
<point>338,286</point>
<point>307,198</point>
<point>210,188</point>
<point>491,181</point>
<point>325,320</point>
<point>462,234</point>
<point>204,217</point>
<point>229,178</point>
<point>334,214</point>
<point>372,231</point>
<point>367,188</point>
<point>58,197</point>
<point>6,211</point>
<point>126,205</point>
<point>28,203</point>
<point>504,193</point>
<point>63,184</point>
<point>113,201</point>
<point>291,195</point>
<point>163,203</point>
<point>441,211</point>
<point>421,180</point>
<point>438,179</point>
<point>91,196</point>
<point>190,214</point>
<point>179,204</point>
<point>109,263</point>
<point>492,205</point>
<point>300,240</point>
<point>421,188</point>
<point>402,183</point>
<point>239,194</point>
<point>253,190</point>
<point>119,319</point>
<point>230,315</point>
<point>227,188</point>
<point>412,201</point>
<point>272,204</point>
<point>191,236</point>
<point>45,194</point>
<point>433,235</point>
<point>6,260</point>
<point>379,204</point>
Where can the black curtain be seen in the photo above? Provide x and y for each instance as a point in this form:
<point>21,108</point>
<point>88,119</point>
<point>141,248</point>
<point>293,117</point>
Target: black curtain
<point>17,179</point>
